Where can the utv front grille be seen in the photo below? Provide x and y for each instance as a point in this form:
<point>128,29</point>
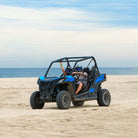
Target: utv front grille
<point>44,85</point>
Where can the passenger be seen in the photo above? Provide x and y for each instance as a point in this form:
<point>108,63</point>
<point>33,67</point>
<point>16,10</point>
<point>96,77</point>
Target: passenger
<point>67,71</point>
<point>82,83</point>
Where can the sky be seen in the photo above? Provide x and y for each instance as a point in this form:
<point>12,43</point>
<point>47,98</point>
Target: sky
<point>35,32</point>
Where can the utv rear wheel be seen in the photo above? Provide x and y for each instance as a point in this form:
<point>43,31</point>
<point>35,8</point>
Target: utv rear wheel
<point>104,97</point>
<point>78,103</point>
<point>35,101</point>
<point>63,100</point>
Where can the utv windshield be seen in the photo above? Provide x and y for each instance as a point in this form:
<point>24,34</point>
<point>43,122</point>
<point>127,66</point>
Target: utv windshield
<point>55,70</point>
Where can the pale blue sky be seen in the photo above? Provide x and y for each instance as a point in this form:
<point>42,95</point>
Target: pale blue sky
<point>35,32</point>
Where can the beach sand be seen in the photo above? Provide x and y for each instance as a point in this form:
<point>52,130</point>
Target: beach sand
<point>119,120</point>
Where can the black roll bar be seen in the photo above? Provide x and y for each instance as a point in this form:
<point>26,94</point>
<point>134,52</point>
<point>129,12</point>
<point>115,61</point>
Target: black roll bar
<point>72,59</point>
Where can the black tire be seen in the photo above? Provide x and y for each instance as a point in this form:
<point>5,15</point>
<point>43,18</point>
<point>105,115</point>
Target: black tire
<point>63,100</point>
<point>103,97</point>
<point>78,103</point>
<point>35,101</point>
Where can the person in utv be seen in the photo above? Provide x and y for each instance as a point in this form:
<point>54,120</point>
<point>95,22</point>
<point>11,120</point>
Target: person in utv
<point>82,83</point>
<point>67,71</point>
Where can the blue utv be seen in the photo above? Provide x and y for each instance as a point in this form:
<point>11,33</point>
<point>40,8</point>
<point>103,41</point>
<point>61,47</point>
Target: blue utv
<point>61,89</point>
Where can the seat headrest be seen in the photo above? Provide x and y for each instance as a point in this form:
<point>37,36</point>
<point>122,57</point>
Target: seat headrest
<point>86,70</point>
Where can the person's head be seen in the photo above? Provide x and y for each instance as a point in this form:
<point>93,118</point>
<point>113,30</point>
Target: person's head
<point>78,69</point>
<point>68,70</point>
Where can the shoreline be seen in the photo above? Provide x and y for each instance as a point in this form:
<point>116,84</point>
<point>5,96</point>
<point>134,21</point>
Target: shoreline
<point>36,72</point>
<point>43,75</point>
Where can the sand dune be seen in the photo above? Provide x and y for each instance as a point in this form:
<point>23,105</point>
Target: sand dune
<point>119,120</point>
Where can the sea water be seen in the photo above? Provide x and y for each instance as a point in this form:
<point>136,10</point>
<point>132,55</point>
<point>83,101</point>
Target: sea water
<point>36,72</point>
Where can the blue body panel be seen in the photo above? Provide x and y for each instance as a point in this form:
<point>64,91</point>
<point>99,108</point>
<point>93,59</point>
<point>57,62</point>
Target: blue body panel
<point>69,78</point>
<point>100,78</point>
<point>42,78</point>
<point>56,78</point>
<point>91,90</point>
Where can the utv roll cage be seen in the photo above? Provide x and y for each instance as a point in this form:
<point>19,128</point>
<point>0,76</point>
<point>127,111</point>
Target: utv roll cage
<point>73,59</point>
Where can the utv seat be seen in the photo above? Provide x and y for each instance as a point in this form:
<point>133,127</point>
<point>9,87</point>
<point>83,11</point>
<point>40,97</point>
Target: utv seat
<point>86,70</point>
<point>90,76</point>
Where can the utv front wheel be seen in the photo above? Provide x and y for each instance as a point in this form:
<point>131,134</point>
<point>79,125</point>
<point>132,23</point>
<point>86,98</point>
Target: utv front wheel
<point>78,103</point>
<point>35,101</point>
<point>63,100</point>
<point>103,97</point>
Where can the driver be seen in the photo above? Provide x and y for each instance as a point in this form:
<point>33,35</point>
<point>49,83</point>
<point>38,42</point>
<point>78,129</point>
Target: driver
<point>82,83</point>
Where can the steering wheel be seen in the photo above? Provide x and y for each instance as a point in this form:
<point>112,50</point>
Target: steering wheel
<point>76,77</point>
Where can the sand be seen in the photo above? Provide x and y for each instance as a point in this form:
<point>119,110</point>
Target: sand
<point>119,120</point>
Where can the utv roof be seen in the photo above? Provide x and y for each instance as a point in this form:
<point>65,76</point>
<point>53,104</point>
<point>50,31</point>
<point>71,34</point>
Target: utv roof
<point>74,59</point>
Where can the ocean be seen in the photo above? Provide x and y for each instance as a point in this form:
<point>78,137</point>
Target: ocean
<point>36,72</point>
